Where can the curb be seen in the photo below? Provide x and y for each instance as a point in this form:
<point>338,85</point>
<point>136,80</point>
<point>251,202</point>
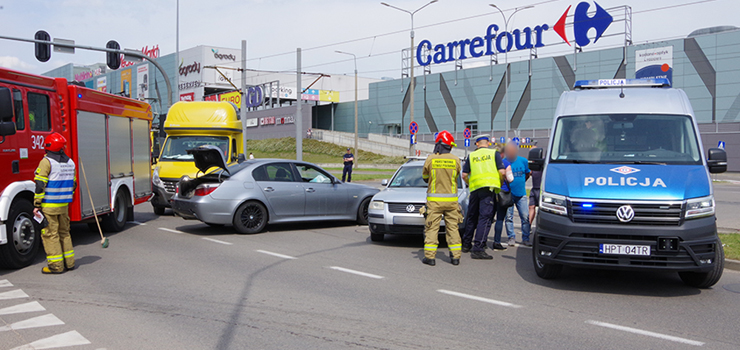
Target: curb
<point>732,264</point>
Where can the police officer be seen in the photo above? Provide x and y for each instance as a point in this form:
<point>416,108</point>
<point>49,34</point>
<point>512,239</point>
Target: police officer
<point>482,171</point>
<point>349,160</point>
<point>441,170</point>
<point>55,184</point>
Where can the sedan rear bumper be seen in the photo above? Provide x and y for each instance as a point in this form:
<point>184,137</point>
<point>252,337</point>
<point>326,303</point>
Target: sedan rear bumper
<point>205,209</point>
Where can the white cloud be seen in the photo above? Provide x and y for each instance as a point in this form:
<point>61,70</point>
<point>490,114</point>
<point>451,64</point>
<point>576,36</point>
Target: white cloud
<point>13,62</point>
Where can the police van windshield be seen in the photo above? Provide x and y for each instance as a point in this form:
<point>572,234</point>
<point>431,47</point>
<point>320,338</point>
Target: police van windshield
<point>411,176</point>
<point>176,147</point>
<point>626,138</point>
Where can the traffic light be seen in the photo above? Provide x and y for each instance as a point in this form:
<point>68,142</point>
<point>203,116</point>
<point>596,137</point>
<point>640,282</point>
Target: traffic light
<point>113,59</point>
<point>43,51</point>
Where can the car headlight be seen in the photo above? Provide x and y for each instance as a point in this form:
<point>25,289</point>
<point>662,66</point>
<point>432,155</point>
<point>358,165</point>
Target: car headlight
<point>155,178</point>
<point>377,205</point>
<point>699,207</point>
<point>554,203</point>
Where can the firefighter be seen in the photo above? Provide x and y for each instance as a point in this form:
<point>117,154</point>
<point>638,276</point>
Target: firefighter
<point>55,183</point>
<point>483,171</point>
<point>441,171</point>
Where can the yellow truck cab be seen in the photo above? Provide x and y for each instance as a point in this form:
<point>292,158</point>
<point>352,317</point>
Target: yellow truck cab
<point>190,125</point>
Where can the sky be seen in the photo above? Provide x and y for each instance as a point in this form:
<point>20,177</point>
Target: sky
<point>275,28</point>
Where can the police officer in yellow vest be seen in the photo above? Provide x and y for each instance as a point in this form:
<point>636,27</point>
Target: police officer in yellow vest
<point>441,170</point>
<point>55,184</point>
<point>483,171</point>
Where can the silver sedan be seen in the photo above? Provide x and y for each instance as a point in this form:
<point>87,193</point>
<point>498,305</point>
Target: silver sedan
<point>251,194</point>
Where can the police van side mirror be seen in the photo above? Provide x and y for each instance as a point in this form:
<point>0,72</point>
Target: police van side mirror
<point>717,160</point>
<point>7,126</point>
<point>536,159</point>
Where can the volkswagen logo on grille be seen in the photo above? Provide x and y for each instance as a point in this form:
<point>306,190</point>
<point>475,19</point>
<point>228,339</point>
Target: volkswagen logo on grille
<point>410,208</point>
<point>625,213</point>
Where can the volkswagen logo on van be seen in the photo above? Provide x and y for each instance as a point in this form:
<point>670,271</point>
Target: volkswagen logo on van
<point>410,208</point>
<point>625,213</point>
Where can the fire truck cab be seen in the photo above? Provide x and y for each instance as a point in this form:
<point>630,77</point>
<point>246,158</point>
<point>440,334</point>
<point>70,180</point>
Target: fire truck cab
<point>108,135</point>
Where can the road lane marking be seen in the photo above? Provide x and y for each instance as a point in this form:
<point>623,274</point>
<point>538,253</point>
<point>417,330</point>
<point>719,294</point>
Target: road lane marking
<point>72,338</point>
<point>138,223</point>
<point>276,254</point>
<point>476,298</point>
<point>647,333</point>
<point>36,322</point>
<point>217,241</point>
<point>22,308</point>
<point>5,283</point>
<point>359,273</point>
<point>171,230</point>
<point>13,294</point>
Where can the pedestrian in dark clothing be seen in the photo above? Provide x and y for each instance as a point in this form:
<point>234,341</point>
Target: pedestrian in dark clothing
<point>349,160</point>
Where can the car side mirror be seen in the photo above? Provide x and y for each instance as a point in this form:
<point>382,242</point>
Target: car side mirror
<point>536,159</point>
<point>241,158</point>
<point>384,182</point>
<point>7,126</point>
<point>717,160</point>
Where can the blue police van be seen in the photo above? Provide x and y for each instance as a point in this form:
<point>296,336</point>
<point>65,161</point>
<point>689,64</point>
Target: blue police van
<point>626,184</point>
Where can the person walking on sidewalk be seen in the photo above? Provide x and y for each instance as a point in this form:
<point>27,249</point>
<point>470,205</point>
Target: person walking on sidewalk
<point>482,171</point>
<point>441,170</point>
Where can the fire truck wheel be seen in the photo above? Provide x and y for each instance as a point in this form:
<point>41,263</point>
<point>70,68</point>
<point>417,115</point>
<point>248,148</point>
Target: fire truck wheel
<point>159,210</point>
<point>24,236</point>
<point>116,220</point>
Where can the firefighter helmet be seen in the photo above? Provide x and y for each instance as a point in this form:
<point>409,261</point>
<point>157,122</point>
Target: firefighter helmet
<point>54,142</point>
<point>445,137</point>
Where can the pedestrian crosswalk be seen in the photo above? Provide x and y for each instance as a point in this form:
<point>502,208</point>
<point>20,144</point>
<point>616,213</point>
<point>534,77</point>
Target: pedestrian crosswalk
<point>8,296</point>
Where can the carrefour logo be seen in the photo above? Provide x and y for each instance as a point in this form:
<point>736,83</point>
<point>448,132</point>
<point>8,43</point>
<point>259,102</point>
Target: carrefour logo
<point>495,41</point>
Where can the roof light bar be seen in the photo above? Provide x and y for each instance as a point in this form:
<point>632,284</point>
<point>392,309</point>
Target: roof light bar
<point>621,83</point>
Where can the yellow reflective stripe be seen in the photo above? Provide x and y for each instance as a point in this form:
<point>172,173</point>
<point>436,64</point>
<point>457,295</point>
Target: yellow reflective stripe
<point>433,181</point>
<point>455,247</point>
<point>53,205</point>
<point>38,195</point>
<point>41,178</point>
<point>454,181</point>
<point>430,247</point>
<point>442,199</point>
<point>54,258</point>
<point>69,254</point>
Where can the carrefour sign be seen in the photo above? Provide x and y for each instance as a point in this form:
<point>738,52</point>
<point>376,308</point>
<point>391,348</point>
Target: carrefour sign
<point>519,39</point>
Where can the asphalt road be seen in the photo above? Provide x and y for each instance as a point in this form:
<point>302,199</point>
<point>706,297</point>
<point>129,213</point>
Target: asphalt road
<point>166,283</point>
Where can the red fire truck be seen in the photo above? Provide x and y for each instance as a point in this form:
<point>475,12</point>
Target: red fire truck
<point>107,134</point>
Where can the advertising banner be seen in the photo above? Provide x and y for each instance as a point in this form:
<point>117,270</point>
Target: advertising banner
<point>126,82</point>
<point>654,63</point>
<point>234,97</point>
<point>102,84</point>
<point>190,97</point>
<point>142,81</point>
<point>328,96</point>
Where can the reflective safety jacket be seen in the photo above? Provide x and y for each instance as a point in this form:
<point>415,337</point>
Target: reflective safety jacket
<point>55,183</point>
<point>483,171</point>
<point>441,172</point>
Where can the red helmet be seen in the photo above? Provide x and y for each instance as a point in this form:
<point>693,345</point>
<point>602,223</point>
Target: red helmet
<point>445,137</point>
<point>54,142</point>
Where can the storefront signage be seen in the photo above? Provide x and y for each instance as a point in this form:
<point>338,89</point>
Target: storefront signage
<point>190,85</point>
<point>495,41</point>
<point>190,96</point>
<point>102,84</point>
<point>153,53</point>
<point>285,120</point>
<point>191,68</point>
<point>221,56</point>
<point>142,81</point>
<point>267,121</point>
<point>89,74</point>
<point>654,63</point>
<point>252,122</point>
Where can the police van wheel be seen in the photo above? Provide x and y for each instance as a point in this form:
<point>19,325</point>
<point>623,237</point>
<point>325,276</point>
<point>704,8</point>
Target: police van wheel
<point>706,279</point>
<point>24,236</point>
<point>158,210</point>
<point>545,271</point>
<point>362,211</point>
<point>250,218</point>
<point>116,220</point>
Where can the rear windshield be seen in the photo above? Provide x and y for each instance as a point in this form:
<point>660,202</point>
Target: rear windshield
<point>626,138</point>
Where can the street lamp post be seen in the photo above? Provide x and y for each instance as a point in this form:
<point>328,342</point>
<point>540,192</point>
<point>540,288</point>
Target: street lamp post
<point>506,61</point>
<point>411,85</point>
<point>356,153</point>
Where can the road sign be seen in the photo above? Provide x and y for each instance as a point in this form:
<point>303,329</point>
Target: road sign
<point>413,128</point>
<point>527,140</point>
<point>502,140</point>
<point>413,139</point>
<point>515,140</point>
<point>467,134</point>
<point>467,142</point>
<point>721,145</point>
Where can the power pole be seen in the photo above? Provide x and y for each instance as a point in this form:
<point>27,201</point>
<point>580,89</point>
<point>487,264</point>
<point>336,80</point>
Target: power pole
<point>244,97</point>
<point>298,115</point>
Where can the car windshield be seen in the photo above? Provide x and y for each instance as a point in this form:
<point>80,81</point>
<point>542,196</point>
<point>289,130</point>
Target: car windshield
<point>625,139</point>
<point>411,176</point>
<point>176,147</point>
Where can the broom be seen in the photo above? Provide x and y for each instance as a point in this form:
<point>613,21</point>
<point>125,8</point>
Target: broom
<point>104,240</point>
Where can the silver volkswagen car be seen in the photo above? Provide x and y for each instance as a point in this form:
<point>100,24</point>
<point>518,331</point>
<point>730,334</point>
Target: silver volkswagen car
<point>253,193</point>
<point>395,209</point>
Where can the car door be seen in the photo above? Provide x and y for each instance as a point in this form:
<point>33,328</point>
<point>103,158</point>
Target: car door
<point>323,195</point>
<point>285,194</point>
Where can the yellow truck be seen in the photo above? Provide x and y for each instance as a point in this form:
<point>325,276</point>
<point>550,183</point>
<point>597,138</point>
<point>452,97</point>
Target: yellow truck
<point>189,125</point>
